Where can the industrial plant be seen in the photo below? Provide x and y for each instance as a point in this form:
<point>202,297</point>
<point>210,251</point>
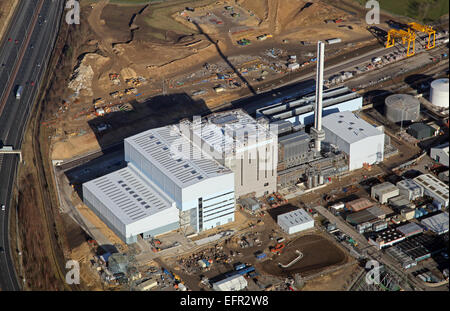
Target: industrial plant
<point>248,145</point>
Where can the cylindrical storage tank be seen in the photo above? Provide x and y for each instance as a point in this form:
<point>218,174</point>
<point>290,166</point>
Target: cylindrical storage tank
<point>320,179</point>
<point>315,180</point>
<point>439,93</point>
<point>402,107</point>
<point>310,182</point>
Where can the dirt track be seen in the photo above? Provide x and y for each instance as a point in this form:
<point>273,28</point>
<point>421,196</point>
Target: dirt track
<point>318,254</point>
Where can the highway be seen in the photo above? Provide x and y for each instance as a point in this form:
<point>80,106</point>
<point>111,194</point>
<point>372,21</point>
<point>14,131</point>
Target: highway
<point>23,62</point>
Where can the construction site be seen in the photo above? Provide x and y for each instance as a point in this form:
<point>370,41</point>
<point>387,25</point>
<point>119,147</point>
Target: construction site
<point>204,59</point>
<point>142,68</point>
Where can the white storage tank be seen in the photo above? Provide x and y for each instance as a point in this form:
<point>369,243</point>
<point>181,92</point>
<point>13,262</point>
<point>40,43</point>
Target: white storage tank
<point>402,107</point>
<point>439,93</point>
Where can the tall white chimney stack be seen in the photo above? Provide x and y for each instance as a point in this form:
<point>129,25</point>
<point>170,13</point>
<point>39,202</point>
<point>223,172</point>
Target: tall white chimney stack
<point>317,132</point>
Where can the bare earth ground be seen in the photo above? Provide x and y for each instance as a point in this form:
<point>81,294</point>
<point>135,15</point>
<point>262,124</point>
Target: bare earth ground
<point>158,43</point>
<point>318,253</point>
<point>7,8</point>
<point>335,281</point>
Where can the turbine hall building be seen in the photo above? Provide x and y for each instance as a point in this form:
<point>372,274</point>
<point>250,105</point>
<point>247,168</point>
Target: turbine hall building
<point>248,147</point>
<point>361,141</point>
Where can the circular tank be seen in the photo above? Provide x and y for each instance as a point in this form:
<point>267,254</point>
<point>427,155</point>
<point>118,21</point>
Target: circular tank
<point>439,93</point>
<point>320,179</point>
<point>402,107</point>
<point>315,181</point>
<point>309,184</point>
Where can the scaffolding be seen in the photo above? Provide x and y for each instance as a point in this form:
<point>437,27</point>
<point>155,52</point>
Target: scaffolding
<point>406,36</point>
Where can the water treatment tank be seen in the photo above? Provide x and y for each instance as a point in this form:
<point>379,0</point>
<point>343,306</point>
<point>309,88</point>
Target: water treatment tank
<point>439,93</point>
<point>402,107</point>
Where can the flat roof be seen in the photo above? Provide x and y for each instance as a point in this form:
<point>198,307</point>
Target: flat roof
<point>410,228</point>
<point>408,184</point>
<point>443,147</point>
<point>384,187</point>
<point>227,132</point>
<point>349,127</point>
<point>437,223</point>
<point>294,218</point>
<point>433,184</point>
<point>376,211</point>
<point>176,155</point>
<point>294,138</point>
<point>389,235</point>
<point>128,196</point>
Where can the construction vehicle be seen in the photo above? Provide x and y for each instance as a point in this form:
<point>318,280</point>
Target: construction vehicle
<point>352,242</point>
<point>244,42</point>
<point>278,248</point>
<point>425,29</point>
<point>406,36</point>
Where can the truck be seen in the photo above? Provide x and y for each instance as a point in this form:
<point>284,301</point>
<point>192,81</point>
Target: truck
<point>19,91</point>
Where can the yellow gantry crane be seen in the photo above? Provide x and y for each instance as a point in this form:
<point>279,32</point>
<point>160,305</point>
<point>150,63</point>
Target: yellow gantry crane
<point>425,29</point>
<point>406,36</point>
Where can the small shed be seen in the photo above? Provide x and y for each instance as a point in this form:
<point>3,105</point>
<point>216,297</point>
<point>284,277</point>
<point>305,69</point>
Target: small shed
<point>250,204</point>
<point>359,204</point>
<point>420,131</point>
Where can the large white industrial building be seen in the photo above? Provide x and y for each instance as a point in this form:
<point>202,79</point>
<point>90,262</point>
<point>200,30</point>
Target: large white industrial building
<point>247,147</point>
<point>195,191</point>
<point>361,141</point>
<point>186,176</point>
<point>131,205</point>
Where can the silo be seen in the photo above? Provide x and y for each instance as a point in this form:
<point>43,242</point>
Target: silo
<point>309,184</point>
<point>439,93</point>
<point>402,107</point>
<point>315,180</point>
<point>320,179</point>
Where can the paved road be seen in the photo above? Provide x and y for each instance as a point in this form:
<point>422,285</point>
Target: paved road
<point>37,20</point>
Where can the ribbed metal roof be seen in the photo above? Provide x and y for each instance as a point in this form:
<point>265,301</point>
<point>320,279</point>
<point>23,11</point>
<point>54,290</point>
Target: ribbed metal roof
<point>128,195</point>
<point>176,155</point>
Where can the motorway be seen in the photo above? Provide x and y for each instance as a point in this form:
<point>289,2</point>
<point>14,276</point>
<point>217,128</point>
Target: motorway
<point>35,26</point>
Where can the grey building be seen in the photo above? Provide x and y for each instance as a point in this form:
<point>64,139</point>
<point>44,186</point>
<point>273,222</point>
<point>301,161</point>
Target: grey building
<point>246,146</point>
<point>294,149</point>
<point>440,154</point>
<point>420,131</point>
<point>409,189</point>
<point>383,192</point>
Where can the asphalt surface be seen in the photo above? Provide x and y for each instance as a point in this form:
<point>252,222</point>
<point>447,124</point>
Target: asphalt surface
<point>29,67</point>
